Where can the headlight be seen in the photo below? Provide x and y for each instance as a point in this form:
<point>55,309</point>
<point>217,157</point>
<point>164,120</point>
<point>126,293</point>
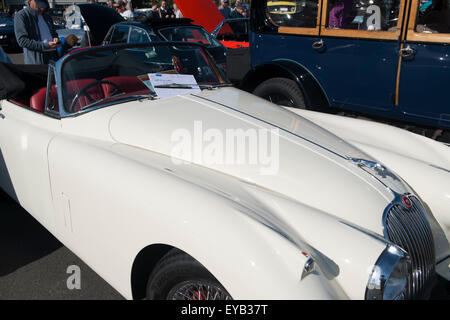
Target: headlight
<point>389,276</point>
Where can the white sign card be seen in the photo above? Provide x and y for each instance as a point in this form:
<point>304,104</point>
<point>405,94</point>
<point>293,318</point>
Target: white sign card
<point>169,85</point>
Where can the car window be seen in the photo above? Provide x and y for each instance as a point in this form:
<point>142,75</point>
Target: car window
<point>139,35</point>
<point>234,30</point>
<point>293,13</point>
<point>369,15</point>
<point>120,34</point>
<point>189,34</point>
<point>433,16</point>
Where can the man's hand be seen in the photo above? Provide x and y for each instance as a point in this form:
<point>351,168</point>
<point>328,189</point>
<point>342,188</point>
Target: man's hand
<point>55,43</point>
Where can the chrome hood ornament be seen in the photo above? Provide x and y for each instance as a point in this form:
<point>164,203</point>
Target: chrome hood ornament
<point>385,176</point>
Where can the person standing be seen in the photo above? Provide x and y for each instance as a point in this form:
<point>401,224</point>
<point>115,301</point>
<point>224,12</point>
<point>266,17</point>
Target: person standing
<point>165,12</point>
<point>177,11</point>
<point>154,13</point>
<point>225,9</point>
<point>35,33</point>
<point>128,13</point>
<point>238,12</point>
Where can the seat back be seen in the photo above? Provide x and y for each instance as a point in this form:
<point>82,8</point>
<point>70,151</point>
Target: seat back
<point>127,84</point>
<point>37,100</point>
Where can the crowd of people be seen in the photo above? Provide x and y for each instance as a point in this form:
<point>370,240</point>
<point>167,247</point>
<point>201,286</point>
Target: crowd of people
<point>36,34</point>
<point>240,9</point>
<point>158,9</point>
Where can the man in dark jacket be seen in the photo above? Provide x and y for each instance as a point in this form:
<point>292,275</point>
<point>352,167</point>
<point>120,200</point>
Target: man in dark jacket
<point>238,12</point>
<point>35,33</point>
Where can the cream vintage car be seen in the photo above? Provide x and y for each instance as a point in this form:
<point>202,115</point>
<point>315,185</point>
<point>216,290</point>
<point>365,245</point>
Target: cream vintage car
<point>120,167</point>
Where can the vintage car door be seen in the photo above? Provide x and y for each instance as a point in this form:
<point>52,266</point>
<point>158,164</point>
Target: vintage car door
<point>287,36</point>
<point>425,66</point>
<point>358,63</point>
<point>25,135</point>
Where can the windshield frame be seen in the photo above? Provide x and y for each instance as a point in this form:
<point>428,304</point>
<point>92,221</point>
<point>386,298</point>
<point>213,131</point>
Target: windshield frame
<point>59,67</point>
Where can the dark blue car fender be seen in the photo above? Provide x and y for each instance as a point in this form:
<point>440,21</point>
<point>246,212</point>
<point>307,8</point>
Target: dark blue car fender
<point>315,97</point>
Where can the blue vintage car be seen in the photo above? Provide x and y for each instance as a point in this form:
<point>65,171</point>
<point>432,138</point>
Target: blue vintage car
<point>387,58</point>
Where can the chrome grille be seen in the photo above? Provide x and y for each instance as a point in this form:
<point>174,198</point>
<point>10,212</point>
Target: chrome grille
<point>409,229</point>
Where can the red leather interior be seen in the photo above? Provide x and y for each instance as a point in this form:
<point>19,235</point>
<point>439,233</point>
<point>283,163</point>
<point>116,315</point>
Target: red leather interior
<point>74,86</point>
<point>127,84</point>
<point>37,101</point>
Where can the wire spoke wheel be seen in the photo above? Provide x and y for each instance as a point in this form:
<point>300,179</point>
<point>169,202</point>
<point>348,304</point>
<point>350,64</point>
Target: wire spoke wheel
<point>196,290</point>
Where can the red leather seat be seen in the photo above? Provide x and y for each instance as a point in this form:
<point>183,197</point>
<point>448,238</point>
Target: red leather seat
<point>127,84</point>
<point>37,100</point>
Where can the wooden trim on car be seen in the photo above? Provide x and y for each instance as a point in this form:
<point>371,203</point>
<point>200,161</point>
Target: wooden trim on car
<point>397,82</point>
<point>400,58</point>
<point>414,36</point>
<point>298,30</point>
<point>386,35</point>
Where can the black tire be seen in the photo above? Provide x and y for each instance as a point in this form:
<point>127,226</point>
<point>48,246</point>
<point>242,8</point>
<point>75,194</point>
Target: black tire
<point>281,91</point>
<point>177,272</point>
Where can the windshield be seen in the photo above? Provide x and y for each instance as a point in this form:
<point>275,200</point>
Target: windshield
<point>111,74</point>
<point>189,34</point>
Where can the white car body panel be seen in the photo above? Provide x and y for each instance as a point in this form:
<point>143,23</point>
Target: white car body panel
<point>422,162</point>
<point>105,185</point>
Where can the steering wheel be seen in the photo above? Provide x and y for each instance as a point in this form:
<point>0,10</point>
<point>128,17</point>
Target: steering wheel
<point>83,92</point>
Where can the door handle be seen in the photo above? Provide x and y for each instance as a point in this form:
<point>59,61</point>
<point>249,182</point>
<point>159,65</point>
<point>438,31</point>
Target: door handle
<point>318,45</point>
<point>406,52</point>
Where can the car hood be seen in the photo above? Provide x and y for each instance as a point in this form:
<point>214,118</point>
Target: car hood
<point>99,19</point>
<point>306,162</point>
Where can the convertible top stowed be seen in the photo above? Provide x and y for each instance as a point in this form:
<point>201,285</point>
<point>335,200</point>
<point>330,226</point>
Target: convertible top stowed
<point>21,80</point>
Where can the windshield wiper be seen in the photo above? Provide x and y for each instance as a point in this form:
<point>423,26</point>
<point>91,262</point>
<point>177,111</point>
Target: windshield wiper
<point>176,86</point>
<point>214,86</point>
<point>193,86</point>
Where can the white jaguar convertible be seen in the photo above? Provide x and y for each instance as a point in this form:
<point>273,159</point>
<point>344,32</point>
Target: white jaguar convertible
<point>171,184</point>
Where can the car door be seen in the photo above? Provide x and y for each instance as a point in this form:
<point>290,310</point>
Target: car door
<point>287,31</point>
<point>425,76</point>
<point>358,64</point>
<point>24,139</point>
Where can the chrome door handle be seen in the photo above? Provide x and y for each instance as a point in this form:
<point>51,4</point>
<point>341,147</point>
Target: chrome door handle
<point>318,45</point>
<point>407,52</point>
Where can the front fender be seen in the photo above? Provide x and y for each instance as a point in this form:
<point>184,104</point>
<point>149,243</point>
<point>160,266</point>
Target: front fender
<point>315,97</point>
<point>422,162</point>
